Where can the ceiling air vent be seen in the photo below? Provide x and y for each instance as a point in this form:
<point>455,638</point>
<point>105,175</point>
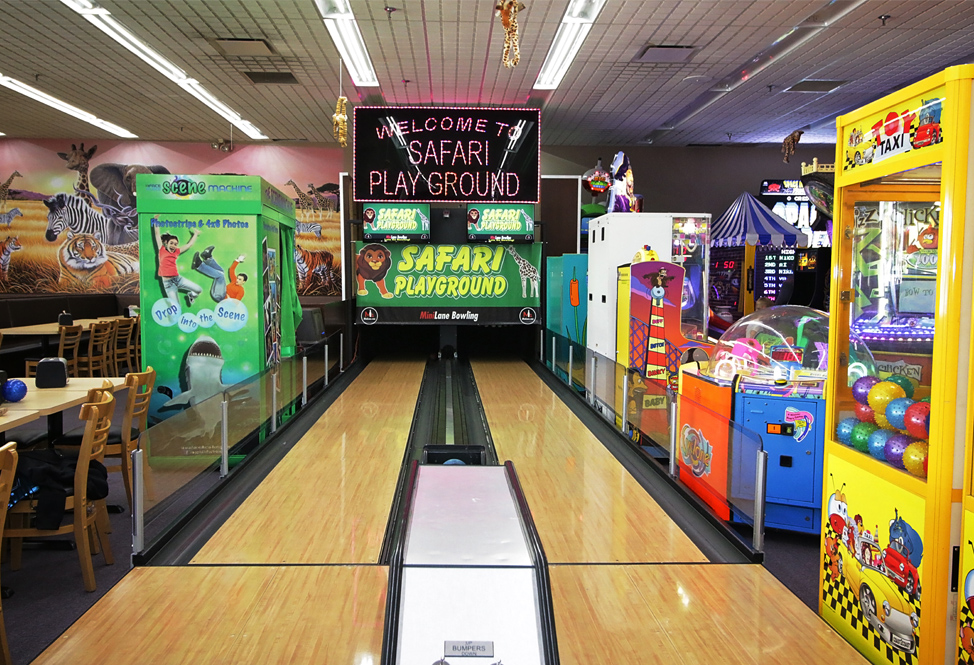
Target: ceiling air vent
<point>242,48</point>
<point>815,86</point>
<point>276,78</point>
<point>665,53</point>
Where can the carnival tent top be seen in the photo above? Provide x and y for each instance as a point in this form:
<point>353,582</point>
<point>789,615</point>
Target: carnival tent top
<point>749,222</point>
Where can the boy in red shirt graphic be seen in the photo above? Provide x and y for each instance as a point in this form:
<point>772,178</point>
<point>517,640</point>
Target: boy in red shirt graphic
<point>169,251</point>
<point>220,289</point>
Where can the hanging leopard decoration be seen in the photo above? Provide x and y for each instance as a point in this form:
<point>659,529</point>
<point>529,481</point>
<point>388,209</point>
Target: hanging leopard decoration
<point>340,122</point>
<point>788,145</point>
<point>507,10</point>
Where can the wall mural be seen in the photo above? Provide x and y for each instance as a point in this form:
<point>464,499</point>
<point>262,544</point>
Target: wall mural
<point>68,209</point>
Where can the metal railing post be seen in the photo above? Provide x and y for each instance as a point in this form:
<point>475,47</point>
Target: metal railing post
<point>590,381</point>
<point>674,433</point>
<point>341,352</point>
<point>760,477</point>
<point>138,502</point>
<point>273,402</point>
<point>571,349</point>
<point>326,365</point>
<point>541,346</point>
<point>225,438</point>
<point>304,381</point>
<point>554,356</point>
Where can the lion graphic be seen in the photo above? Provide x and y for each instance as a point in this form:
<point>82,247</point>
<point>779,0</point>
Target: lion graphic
<point>371,265</point>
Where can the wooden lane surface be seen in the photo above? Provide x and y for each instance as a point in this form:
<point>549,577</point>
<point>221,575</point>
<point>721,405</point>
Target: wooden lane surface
<point>232,614</point>
<point>587,507</point>
<point>687,614</point>
<point>329,499</point>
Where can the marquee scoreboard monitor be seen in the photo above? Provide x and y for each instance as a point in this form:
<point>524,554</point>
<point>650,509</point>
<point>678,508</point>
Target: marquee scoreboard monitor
<point>726,264</point>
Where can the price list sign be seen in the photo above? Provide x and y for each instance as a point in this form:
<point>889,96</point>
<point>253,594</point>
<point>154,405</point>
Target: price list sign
<point>772,266</point>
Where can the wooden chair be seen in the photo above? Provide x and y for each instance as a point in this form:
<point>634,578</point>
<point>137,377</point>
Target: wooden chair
<point>123,438</point>
<point>97,358</point>
<point>8,466</point>
<point>123,353</point>
<point>137,342</point>
<point>68,344</point>
<point>88,516</point>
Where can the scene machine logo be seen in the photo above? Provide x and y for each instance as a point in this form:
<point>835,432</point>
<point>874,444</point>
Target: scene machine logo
<point>181,186</point>
<point>695,451</point>
<point>369,315</point>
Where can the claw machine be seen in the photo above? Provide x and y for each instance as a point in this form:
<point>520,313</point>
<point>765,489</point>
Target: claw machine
<point>897,499</point>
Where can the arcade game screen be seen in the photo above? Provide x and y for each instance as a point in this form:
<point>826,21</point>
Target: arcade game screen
<point>894,283</point>
<point>772,267</point>
<point>691,248</point>
<point>726,265</point>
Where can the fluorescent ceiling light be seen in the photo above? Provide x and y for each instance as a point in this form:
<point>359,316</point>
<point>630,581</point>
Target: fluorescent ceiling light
<point>343,28</point>
<point>64,107</point>
<point>101,18</point>
<point>574,28</point>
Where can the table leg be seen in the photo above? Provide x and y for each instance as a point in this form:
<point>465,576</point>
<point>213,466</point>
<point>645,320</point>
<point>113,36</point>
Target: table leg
<point>55,426</point>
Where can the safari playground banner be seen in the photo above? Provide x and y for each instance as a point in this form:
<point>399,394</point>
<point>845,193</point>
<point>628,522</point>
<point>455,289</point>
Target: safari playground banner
<point>447,284</point>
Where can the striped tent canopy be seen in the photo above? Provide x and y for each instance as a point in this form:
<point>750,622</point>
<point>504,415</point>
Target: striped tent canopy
<point>749,222</point>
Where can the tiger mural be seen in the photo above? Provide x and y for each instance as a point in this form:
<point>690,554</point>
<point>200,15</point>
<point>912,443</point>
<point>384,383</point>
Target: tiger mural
<point>86,262</point>
<point>316,270</point>
<point>7,248</point>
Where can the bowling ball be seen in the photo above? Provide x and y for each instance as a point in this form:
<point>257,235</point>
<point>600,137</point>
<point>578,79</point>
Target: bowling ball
<point>864,413</point>
<point>14,390</point>
<point>903,383</point>
<point>882,422</point>
<point>877,443</point>
<point>895,447</point>
<point>915,458</point>
<point>861,388</point>
<point>454,462</point>
<point>896,411</point>
<point>917,420</point>
<point>843,431</point>
<point>860,436</point>
<point>882,394</point>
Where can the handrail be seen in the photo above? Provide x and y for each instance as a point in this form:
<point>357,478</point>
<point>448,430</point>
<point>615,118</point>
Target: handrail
<point>390,634</point>
<point>549,639</point>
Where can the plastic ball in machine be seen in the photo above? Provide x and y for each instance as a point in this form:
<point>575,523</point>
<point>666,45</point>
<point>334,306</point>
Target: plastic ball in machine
<point>864,413</point>
<point>14,390</point>
<point>903,383</point>
<point>843,431</point>
<point>882,394</point>
<point>895,447</point>
<point>861,388</point>
<point>915,458</point>
<point>882,422</point>
<point>877,443</point>
<point>896,411</point>
<point>917,420</point>
<point>860,436</point>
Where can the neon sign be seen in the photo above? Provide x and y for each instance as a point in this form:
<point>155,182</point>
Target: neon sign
<point>442,154</point>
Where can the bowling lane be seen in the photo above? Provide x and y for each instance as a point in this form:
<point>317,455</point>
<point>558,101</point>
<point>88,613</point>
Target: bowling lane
<point>232,614</point>
<point>328,500</point>
<point>587,507</point>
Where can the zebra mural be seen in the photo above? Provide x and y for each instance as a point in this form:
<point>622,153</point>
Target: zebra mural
<point>66,211</point>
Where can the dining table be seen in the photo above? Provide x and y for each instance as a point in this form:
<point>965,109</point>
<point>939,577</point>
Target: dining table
<point>52,402</point>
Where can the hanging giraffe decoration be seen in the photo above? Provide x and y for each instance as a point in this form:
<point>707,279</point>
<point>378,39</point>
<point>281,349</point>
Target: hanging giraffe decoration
<point>5,189</point>
<point>77,160</point>
<point>507,10</point>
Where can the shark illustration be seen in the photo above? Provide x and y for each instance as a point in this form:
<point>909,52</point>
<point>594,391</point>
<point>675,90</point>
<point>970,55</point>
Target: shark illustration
<point>204,369</point>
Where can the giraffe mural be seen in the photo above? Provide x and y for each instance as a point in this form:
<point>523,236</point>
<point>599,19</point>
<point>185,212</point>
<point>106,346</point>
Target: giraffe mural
<point>304,201</point>
<point>5,189</point>
<point>323,203</point>
<point>316,208</point>
<point>77,160</point>
<point>528,273</point>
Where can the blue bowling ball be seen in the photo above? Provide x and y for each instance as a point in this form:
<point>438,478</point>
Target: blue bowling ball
<point>877,443</point>
<point>454,462</point>
<point>843,431</point>
<point>14,390</point>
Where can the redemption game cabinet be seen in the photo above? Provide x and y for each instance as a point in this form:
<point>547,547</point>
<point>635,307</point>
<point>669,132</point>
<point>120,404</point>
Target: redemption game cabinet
<point>897,505</point>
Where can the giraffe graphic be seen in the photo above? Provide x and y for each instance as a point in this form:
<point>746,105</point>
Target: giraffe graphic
<point>316,208</point>
<point>324,203</point>
<point>304,201</point>
<point>528,272</point>
<point>5,189</point>
<point>77,160</point>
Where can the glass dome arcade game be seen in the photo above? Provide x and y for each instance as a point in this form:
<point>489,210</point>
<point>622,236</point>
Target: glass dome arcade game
<point>894,480</point>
